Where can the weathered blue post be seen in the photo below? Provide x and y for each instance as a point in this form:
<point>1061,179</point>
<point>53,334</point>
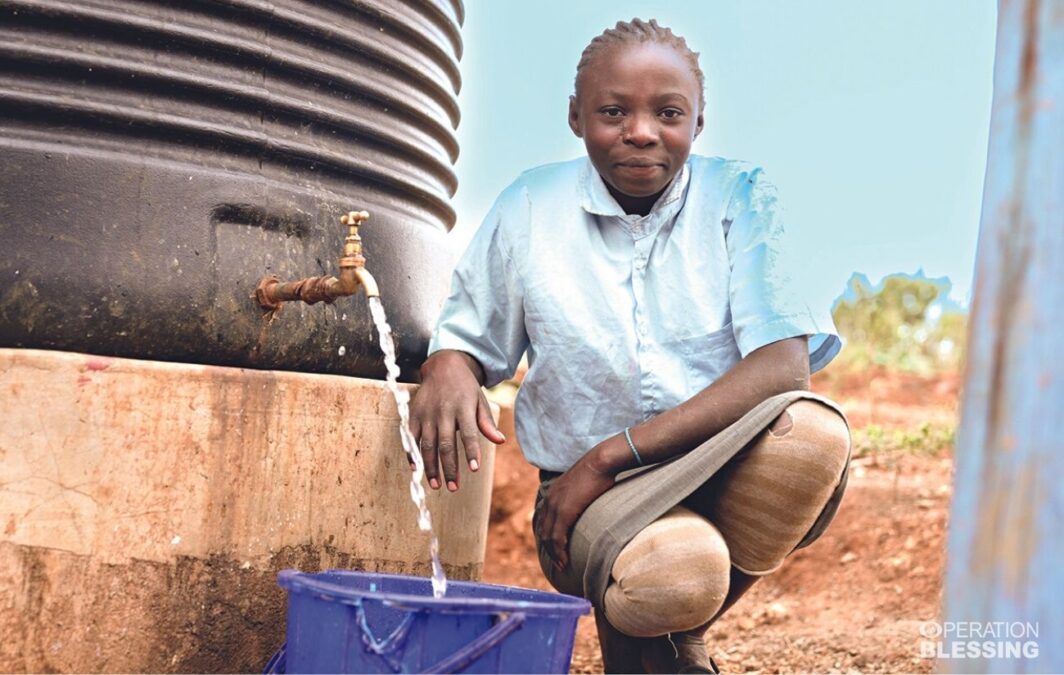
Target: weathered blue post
<point>1006,543</point>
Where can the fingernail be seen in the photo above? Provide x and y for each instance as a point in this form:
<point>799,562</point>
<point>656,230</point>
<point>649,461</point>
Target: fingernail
<point>474,465</point>
<point>452,486</point>
<point>434,484</point>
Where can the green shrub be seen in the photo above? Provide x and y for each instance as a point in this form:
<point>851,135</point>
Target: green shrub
<point>927,439</point>
<point>905,323</point>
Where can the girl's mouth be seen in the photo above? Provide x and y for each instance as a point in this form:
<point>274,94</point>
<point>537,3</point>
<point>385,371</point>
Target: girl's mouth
<point>639,169</point>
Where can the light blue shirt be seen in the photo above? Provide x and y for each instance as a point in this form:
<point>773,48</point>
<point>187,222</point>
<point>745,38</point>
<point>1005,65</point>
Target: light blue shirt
<point>623,316</point>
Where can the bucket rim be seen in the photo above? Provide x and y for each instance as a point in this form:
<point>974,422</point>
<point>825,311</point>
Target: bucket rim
<point>306,582</point>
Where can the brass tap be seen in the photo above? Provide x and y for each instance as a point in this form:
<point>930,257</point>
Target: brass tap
<point>271,291</point>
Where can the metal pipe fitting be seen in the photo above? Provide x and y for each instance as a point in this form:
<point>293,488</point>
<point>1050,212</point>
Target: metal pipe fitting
<point>271,292</point>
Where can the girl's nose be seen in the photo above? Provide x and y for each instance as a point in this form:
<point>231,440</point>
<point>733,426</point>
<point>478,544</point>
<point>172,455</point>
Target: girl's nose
<point>641,131</point>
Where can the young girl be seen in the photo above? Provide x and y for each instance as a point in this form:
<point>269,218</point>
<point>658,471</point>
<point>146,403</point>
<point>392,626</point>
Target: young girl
<point>666,402</point>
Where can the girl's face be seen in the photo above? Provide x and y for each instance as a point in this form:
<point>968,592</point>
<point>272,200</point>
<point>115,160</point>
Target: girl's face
<point>638,109</point>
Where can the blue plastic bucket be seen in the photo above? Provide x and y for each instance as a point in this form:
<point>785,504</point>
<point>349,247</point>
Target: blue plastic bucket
<point>358,622</point>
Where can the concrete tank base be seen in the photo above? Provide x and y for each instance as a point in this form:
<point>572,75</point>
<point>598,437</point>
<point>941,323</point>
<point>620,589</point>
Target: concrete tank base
<point>146,508</point>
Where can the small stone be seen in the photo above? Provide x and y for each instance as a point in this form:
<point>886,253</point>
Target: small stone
<point>776,612</point>
<point>848,557</point>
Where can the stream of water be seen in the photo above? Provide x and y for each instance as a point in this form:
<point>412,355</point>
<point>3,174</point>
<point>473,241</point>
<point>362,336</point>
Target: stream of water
<point>402,401</point>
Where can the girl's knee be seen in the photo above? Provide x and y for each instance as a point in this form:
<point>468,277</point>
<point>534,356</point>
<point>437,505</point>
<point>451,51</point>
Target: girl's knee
<point>807,447</point>
<point>814,428</point>
<point>672,576</point>
<point>767,501</point>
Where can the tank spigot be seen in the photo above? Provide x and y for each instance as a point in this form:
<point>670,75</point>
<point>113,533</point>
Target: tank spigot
<point>271,291</point>
<point>353,242</point>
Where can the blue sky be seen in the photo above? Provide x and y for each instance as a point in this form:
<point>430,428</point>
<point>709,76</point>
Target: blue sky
<point>871,117</point>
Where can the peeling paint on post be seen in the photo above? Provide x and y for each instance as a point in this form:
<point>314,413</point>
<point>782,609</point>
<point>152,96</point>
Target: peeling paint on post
<point>1006,543</point>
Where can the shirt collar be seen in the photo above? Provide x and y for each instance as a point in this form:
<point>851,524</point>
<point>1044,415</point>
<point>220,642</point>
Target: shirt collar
<point>597,200</point>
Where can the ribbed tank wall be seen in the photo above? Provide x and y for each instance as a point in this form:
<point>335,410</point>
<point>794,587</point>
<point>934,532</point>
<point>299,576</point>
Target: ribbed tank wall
<point>160,157</point>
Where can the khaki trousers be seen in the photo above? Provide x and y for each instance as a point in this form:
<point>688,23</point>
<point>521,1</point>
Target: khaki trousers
<point>654,553</point>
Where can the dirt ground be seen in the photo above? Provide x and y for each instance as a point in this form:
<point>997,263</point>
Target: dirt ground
<point>851,602</point>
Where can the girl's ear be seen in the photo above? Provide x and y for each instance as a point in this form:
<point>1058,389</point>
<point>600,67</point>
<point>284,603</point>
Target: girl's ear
<point>574,117</point>
<point>700,124</point>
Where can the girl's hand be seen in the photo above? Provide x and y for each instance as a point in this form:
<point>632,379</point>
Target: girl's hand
<point>567,498</point>
<point>448,405</point>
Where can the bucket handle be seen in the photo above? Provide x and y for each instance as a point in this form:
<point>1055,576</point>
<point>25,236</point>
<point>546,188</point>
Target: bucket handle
<point>276,664</point>
<point>479,647</point>
<point>452,664</point>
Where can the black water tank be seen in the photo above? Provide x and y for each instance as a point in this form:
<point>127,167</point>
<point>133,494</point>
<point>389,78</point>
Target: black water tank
<point>159,158</point>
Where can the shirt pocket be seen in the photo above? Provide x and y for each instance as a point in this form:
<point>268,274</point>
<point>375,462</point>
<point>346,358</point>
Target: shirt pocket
<point>707,356</point>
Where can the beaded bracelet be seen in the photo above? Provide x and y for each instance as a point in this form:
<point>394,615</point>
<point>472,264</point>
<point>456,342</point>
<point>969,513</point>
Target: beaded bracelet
<point>631,445</point>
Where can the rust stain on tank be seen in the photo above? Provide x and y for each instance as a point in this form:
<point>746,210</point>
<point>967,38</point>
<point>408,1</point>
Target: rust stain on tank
<point>264,333</point>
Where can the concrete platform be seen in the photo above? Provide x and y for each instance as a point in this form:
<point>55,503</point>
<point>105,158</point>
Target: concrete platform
<point>146,507</point>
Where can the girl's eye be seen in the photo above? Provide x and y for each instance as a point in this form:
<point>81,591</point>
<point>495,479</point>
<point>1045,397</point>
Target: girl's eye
<point>671,113</point>
<point>612,112</point>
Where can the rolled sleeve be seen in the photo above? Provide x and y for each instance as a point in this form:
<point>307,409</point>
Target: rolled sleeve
<point>765,292</point>
<point>483,314</point>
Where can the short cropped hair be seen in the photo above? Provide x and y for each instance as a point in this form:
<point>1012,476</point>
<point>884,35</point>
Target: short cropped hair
<point>638,31</point>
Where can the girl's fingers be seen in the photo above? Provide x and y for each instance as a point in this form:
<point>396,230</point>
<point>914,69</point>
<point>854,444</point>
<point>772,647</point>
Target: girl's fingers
<point>560,540</point>
<point>427,445</point>
<point>448,453</point>
<point>546,532</point>
<point>486,423</point>
<point>470,439</point>
<point>556,535</point>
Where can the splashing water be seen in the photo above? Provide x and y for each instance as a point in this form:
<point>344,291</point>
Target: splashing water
<point>402,401</point>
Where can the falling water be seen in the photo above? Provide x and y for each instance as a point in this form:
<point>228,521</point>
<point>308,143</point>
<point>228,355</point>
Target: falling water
<point>402,400</point>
